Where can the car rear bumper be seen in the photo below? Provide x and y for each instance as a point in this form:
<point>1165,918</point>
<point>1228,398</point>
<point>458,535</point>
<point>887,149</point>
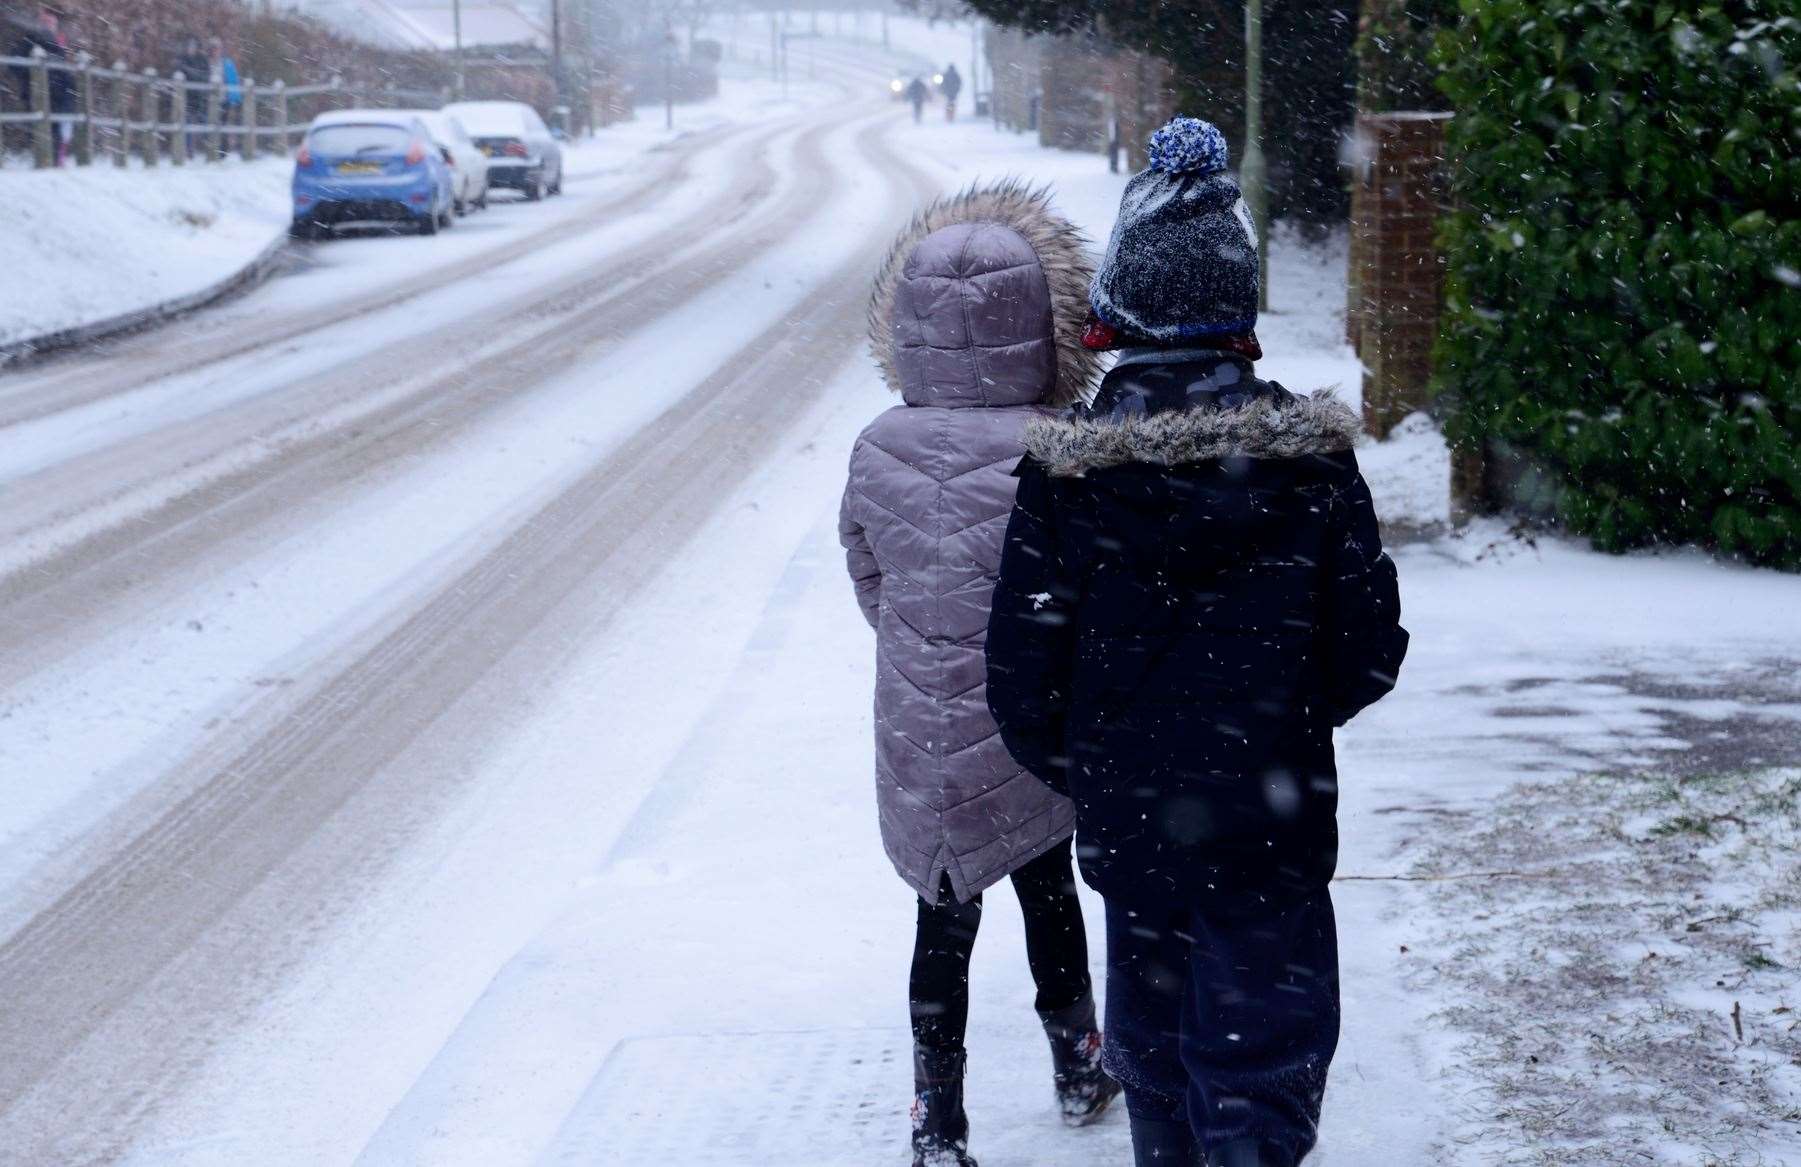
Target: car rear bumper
<point>359,211</point>
<point>343,201</point>
<point>515,177</point>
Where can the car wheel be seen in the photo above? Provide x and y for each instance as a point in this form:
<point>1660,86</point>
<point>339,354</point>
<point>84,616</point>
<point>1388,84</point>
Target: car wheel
<point>428,223</point>
<point>304,230</point>
<point>481,204</point>
<point>459,208</point>
<point>535,189</point>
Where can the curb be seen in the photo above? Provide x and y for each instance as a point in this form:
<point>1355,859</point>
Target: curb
<point>18,352</point>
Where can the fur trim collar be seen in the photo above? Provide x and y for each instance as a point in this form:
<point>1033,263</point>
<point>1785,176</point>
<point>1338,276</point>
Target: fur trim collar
<point>1061,248</point>
<point>1071,446</point>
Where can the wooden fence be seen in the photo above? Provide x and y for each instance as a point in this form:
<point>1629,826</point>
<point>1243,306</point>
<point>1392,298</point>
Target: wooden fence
<point>121,114</point>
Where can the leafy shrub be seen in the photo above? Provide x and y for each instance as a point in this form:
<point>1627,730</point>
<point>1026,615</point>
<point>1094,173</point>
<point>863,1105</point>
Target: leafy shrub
<point>1624,281</point>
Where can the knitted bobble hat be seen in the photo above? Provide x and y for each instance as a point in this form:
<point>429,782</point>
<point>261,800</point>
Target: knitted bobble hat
<point>1182,261</point>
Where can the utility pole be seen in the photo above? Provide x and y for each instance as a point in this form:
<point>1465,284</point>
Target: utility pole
<point>1251,174</point>
<point>456,32</point>
<point>668,72</point>
<point>975,61</point>
<point>556,54</point>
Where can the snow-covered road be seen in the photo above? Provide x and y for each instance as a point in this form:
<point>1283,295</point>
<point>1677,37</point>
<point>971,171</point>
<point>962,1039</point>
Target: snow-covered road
<point>278,573</point>
<point>434,728</point>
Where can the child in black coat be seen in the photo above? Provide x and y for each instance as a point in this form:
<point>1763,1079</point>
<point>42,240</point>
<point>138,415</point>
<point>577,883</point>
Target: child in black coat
<point>1192,595</point>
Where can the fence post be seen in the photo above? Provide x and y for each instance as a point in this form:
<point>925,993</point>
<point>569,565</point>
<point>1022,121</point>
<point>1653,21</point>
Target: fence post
<point>43,130</point>
<point>281,116</point>
<point>147,103</point>
<point>215,98</point>
<point>121,114</point>
<point>150,103</point>
<point>178,114</point>
<point>84,138</point>
<point>249,143</point>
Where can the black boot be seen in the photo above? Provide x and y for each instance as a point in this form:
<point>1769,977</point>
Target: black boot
<point>1084,1091</point>
<point>1248,1153</point>
<point>1163,1144</point>
<point>940,1128</point>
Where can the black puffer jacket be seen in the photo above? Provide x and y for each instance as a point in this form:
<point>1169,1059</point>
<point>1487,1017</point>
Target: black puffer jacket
<point>1192,595</point>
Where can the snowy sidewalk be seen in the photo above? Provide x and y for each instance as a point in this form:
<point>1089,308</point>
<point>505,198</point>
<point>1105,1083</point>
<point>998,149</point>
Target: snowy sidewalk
<point>729,987</point>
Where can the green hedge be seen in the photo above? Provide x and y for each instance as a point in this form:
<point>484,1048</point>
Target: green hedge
<point>1624,279</point>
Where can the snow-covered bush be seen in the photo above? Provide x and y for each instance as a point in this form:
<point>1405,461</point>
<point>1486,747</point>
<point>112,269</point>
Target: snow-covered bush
<point>1624,293</point>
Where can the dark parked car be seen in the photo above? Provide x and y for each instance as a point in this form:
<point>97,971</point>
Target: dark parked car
<point>522,153</point>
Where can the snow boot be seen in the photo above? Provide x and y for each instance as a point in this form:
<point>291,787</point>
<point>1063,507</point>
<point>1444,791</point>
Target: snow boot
<point>1248,1153</point>
<point>940,1128</point>
<point>1084,1091</point>
<point>1160,1143</point>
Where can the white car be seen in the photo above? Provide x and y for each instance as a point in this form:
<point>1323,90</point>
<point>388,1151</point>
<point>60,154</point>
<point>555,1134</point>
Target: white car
<point>468,165</point>
<point>522,152</point>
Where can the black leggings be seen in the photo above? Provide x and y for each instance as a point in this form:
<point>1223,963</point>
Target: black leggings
<point>1056,949</point>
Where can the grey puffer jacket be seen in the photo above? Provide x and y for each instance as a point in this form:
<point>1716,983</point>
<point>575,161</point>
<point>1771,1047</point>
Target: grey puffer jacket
<point>975,322</point>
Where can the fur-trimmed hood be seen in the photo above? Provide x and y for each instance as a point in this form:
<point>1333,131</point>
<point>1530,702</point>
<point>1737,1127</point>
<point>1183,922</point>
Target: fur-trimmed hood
<point>920,351</point>
<point>1072,445</point>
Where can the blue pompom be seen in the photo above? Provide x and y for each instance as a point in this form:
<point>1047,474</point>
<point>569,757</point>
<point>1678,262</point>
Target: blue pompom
<point>1188,146</point>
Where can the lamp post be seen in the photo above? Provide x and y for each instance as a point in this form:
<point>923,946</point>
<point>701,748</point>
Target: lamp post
<point>1251,174</point>
<point>456,36</point>
<point>556,53</point>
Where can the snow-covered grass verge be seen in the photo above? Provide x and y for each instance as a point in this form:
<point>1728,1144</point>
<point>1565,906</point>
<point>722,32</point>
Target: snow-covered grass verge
<point>1622,970</point>
<point>82,245</point>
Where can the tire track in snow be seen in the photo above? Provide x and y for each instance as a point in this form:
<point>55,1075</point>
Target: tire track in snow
<point>328,431</point>
<point>100,1052</point>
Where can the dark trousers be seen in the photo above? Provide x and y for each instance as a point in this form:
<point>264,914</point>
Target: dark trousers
<point>1226,1015</point>
<point>1056,949</point>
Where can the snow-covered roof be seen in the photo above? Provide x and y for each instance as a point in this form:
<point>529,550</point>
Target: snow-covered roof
<point>403,118</point>
<point>489,118</point>
<point>431,24</point>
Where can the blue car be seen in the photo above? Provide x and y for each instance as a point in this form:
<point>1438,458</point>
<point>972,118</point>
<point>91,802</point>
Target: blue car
<point>370,166</point>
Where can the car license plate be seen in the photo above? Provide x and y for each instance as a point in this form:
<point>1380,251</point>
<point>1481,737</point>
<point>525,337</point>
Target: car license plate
<point>359,168</point>
<point>488,150</point>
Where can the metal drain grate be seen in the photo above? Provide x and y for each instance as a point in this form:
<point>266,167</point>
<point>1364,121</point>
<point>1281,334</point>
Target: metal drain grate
<point>823,1098</point>
<point>835,1097</point>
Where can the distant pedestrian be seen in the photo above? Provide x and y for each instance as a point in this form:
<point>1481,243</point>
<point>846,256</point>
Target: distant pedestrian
<point>973,321</point>
<point>46,33</point>
<point>917,94</point>
<point>950,87</point>
<point>196,69</point>
<point>224,73</point>
<point>1192,596</point>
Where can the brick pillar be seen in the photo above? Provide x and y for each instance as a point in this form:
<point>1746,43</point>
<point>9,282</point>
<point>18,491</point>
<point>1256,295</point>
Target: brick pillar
<point>1072,78</point>
<point>1144,96</point>
<point>1397,274</point>
<point>1013,63</point>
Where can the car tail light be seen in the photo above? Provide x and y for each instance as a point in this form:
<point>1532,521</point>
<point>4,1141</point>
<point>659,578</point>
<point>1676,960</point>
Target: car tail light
<point>449,158</point>
<point>415,153</point>
<point>516,150</point>
<point>305,157</point>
